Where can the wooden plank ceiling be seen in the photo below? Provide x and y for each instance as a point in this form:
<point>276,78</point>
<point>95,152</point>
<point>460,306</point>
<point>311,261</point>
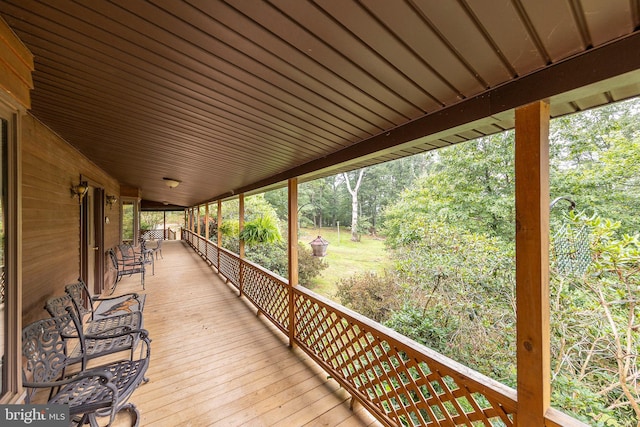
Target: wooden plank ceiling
<point>230,95</point>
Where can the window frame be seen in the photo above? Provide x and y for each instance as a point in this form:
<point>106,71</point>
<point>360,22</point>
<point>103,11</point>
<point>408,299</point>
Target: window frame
<point>13,392</point>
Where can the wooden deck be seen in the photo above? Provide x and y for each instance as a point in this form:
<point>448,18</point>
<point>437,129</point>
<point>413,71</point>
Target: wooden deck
<point>215,362</point>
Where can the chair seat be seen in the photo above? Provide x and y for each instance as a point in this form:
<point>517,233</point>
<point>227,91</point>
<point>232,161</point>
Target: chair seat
<point>115,324</point>
<point>90,395</point>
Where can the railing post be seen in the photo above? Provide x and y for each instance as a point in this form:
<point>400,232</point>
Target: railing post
<point>292,253</point>
<point>532,263</point>
<point>198,220</point>
<point>241,241</point>
<point>206,222</point>
<point>218,232</point>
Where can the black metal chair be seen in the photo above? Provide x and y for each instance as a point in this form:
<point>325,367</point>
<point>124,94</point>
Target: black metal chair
<point>101,391</point>
<point>96,307</point>
<point>93,348</point>
<point>127,266</point>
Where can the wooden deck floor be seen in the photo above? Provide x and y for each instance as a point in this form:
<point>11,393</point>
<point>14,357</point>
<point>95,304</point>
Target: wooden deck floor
<point>214,362</point>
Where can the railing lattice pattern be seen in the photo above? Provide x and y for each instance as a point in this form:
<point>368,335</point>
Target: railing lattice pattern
<point>212,255</point>
<point>404,385</point>
<point>153,235</point>
<point>230,268</point>
<point>267,293</point>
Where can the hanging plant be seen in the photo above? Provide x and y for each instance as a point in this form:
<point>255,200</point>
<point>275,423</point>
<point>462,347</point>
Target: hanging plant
<point>261,230</point>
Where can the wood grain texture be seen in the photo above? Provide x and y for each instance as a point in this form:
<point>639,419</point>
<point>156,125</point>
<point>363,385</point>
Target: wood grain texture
<point>214,362</point>
<point>51,217</point>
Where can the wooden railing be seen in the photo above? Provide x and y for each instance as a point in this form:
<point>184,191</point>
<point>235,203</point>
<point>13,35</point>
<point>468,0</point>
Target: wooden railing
<point>398,380</point>
<point>153,234</point>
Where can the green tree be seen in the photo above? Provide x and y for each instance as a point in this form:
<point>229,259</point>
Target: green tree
<point>470,184</point>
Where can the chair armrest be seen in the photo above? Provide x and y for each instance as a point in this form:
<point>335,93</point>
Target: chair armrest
<point>103,375</point>
<point>132,295</point>
<point>118,331</point>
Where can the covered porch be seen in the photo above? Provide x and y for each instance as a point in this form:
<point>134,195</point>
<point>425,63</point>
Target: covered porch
<point>120,102</point>
<point>215,362</point>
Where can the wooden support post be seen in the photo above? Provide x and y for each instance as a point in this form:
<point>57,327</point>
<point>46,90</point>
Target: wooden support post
<point>241,242</point>
<point>532,263</point>
<point>219,233</point>
<point>198,219</point>
<point>206,221</point>
<point>241,222</point>
<point>293,253</point>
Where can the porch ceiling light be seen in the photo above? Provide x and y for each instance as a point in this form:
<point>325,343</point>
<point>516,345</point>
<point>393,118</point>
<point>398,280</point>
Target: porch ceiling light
<point>171,183</point>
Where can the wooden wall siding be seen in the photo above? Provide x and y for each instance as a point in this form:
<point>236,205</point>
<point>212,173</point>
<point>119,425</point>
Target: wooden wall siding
<point>16,65</point>
<point>51,217</point>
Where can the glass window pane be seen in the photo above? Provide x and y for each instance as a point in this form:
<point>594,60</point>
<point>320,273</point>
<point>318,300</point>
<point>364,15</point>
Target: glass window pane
<point>127,221</point>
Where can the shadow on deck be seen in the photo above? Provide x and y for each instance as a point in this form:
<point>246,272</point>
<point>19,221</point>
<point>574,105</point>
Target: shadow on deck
<point>215,362</point>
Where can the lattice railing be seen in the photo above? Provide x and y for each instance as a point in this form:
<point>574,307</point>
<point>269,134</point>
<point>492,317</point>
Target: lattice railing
<point>401,382</point>
<point>230,267</point>
<point>268,292</point>
<point>211,254</point>
<point>152,235</point>
<point>202,245</point>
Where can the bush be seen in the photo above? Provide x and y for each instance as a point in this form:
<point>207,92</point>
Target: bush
<point>309,266</point>
<point>371,295</point>
<point>274,258</point>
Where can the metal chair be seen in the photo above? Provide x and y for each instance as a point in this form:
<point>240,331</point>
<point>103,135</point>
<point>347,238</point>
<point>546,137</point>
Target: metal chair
<point>101,391</point>
<point>93,348</point>
<point>158,249</point>
<point>97,307</point>
<point>126,266</point>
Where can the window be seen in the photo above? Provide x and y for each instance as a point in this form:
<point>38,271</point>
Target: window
<point>4,137</point>
<point>10,360</point>
<point>129,220</point>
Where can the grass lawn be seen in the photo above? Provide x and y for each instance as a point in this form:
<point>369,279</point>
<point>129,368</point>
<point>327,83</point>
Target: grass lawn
<point>345,258</point>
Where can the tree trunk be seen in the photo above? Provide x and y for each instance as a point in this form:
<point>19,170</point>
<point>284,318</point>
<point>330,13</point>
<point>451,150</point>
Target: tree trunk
<point>355,237</point>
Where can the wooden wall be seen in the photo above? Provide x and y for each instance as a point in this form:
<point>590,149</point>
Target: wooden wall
<point>16,65</point>
<point>51,216</point>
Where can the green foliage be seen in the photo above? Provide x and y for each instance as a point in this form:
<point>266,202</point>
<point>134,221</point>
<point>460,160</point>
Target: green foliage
<point>596,341</point>
<point>470,184</point>
<point>151,220</point>
<point>309,266</point>
<point>375,296</point>
<point>459,296</point>
<point>595,159</point>
<point>263,229</point>
<point>272,256</point>
<point>422,325</point>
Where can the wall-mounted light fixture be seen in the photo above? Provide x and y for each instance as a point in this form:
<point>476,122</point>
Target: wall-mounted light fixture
<point>79,190</point>
<point>171,183</point>
<point>110,199</point>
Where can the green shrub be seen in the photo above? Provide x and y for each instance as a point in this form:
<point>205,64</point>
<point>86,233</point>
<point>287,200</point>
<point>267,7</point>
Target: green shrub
<point>371,295</point>
<point>309,266</point>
